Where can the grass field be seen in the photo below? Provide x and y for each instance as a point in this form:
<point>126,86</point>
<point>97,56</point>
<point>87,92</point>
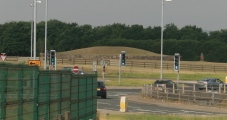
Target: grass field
<point>138,76</point>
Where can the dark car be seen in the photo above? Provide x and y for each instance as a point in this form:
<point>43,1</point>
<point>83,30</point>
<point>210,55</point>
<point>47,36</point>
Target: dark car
<point>161,84</point>
<point>210,83</point>
<point>80,72</point>
<point>101,89</point>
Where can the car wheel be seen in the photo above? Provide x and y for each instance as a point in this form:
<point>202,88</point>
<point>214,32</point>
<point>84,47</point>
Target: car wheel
<point>103,96</point>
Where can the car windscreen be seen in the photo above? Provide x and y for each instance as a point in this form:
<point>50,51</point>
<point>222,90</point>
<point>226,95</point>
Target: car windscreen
<point>205,80</point>
<point>101,84</point>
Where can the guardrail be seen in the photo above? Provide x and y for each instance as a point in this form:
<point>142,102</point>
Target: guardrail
<point>188,93</point>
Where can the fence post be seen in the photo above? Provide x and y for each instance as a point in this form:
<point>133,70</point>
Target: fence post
<point>219,88</point>
<point>74,61</point>
<point>224,88</point>
<point>193,87</point>
<point>67,113</point>
<point>59,117</point>
<point>157,91</point>
<point>151,91</point>
<point>173,88</point>
<point>194,97</point>
<point>179,94</point>
<point>165,89</point>
<point>183,88</point>
<point>212,98</point>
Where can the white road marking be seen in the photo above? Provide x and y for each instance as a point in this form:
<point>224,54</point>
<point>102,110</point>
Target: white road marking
<point>122,94</point>
<point>133,107</point>
<point>158,112</point>
<point>103,103</point>
<point>142,110</point>
<point>113,95</point>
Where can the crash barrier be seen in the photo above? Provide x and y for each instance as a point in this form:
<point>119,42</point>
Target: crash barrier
<point>28,93</point>
<point>187,93</point>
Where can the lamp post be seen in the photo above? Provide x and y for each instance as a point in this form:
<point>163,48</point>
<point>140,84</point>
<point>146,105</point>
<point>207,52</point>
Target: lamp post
<point>162,36</point>
<point>35,8</point>
<point>31,30</point>
<point>45,57</point>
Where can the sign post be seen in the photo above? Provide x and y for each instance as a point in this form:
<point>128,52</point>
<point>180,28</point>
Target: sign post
<point>95,67</point>
<point>103,67</point>
<point>3,56</point>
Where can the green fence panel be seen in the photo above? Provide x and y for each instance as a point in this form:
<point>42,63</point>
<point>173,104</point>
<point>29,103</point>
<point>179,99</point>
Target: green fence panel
<point>15,93</point>
<point>3,77</point>
<point>30,94</point>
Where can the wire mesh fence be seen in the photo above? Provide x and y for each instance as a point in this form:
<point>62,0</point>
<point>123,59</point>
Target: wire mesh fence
<point>27,93</point>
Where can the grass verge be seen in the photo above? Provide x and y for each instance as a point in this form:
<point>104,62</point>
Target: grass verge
<point>157,117</point>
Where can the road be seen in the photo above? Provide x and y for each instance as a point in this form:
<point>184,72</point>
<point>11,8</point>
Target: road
<point>112,103</point>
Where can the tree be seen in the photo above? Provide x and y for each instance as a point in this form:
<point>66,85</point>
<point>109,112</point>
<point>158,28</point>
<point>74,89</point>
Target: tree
<point>171,32</point>
<point>55,28</point>
<point>15,38</point>
<point>135,32</point>
<point>219,35</point>
<point>192,32</point>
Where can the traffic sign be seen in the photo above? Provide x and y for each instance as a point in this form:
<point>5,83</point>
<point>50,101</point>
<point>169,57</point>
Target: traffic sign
<point>3,56</point>
<point>34,62</point>
<point>102,62</point>
<point>94,65</point>
<point>75,69</point>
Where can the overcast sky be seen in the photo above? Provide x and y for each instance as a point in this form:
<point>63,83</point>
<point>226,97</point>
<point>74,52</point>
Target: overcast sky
<point>207,14</point>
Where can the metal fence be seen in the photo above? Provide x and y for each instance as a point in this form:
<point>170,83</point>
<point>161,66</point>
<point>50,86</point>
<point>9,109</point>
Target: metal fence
<point>188,93</point>
<point>30,94</point>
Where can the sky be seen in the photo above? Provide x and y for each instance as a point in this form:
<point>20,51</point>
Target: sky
<point>210,15</point>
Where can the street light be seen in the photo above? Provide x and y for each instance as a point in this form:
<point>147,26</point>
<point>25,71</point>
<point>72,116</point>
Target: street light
<point>32,5</point>
<point>162,35</point>
<point>31,30</point>
<point>35,8</point>
<point>45,57</point>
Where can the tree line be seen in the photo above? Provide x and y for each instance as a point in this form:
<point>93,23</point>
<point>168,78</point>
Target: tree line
<point>190,41</point>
